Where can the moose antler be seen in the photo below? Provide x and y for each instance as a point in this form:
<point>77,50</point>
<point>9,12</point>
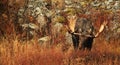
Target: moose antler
<point>71,23</point>
<point>71,26</point>
<point>101,28</point>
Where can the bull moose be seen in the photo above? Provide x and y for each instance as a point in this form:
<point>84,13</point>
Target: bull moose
<point>82,31</point>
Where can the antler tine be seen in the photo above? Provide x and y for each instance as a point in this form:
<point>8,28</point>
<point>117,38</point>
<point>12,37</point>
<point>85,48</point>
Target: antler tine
<point>101,28</point>
<point>73,18</point>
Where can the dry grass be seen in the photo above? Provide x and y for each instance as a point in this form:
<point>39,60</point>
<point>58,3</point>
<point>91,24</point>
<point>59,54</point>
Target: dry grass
<point>31,53</point>
<point>14,52</point>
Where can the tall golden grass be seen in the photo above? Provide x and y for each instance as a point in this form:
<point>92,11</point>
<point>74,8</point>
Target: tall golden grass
<point>14,52</point>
